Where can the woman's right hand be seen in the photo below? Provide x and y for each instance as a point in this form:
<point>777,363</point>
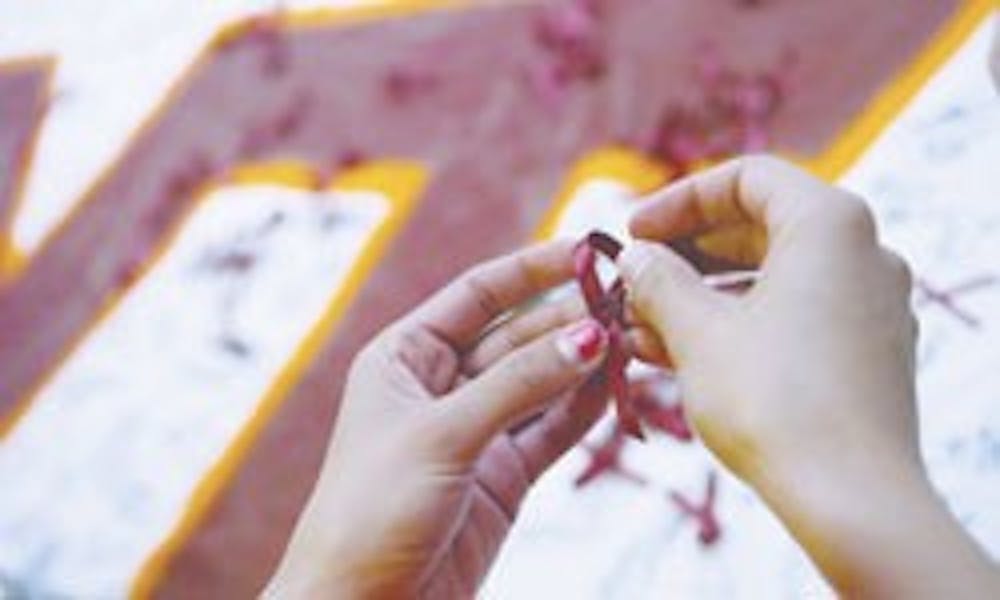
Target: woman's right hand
<point>803,386</point>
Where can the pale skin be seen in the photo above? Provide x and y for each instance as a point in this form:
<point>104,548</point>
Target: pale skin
<point>447,419</point>
<point>803,387</point>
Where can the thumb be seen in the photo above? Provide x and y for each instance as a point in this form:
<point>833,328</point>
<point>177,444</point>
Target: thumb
<point>520,384</point>
<point>668,293</point>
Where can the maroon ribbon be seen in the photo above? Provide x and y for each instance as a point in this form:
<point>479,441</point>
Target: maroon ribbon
<point>608,308</point>
<point>702,512</point>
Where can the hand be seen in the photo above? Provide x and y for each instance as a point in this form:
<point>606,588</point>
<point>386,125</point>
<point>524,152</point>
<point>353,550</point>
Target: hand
<point>804,385</point>
<point>821,349</point>
<point>447,419</point>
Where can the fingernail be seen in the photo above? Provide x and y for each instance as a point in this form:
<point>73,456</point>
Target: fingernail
<point>634,259</point>
<point>583,342</point>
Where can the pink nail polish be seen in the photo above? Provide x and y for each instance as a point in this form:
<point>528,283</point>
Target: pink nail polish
<point>587,340</point>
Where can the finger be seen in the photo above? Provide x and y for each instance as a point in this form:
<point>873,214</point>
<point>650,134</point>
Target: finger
<point>643,341</point>
<point>668,293</point>
<point>646,346</point>
<point>561,427</point>
<point>521,329</point>
<point>519,384</point>
<point>459,312</point>
<point>756,190</point>
<point>741,244</point>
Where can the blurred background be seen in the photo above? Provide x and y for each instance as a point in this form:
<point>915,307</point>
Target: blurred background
<point>207,208</point>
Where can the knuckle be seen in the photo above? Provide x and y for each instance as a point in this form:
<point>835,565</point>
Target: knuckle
<point>527,272</point>
<point>900,271</point>
<point>763,164</point>
<point>476,283</point>
<point>404,345</point>
<point>509,338</point>
<point>853,214</point>
<point>369,355</point>
<point>406,341</point>
<point>528,372</point>
<point>753,169</point>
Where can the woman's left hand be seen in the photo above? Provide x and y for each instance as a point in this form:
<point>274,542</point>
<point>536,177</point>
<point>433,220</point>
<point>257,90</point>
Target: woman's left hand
<point>448,417</point>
